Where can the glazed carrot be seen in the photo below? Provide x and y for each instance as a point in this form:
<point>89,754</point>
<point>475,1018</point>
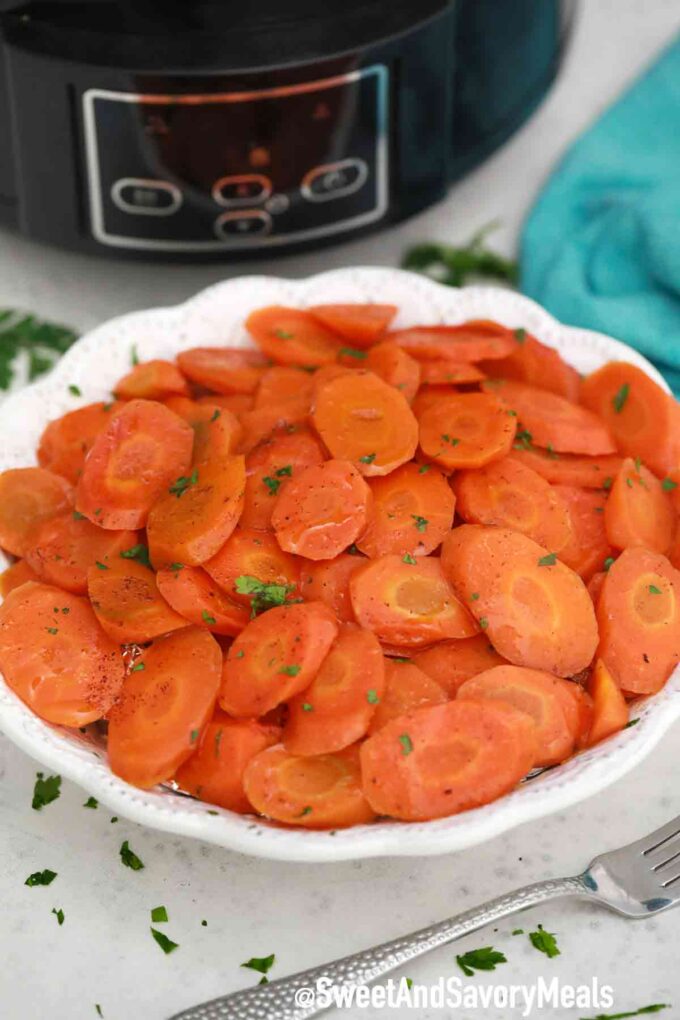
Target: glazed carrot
<point>588,547</point>
<point>451,663</point>
<point>144,448</point>
<point>275,657</point>
<point>466,430</point>
<point>327,581</point>
<point>472,341</point>
<point>639,617</point>
<point>55,656</point>
<point>252,553</point>
<point>269,466</point>
<point>217,431</point>
<point>565,469</point>
<point>362,419</point>
<point>553,422</point>
<point>406,688</point>
<point>29,496</point>
<point>442,759</point>
<point>63,548</point>
<point>448,373</point>
<point>197,513</point>
<point>214,772</point>
<point>322,510</point>
<point>192,593</point>
<point>157,723</point>
<point>638,510</point>
<point>610,711</point>
<point>361,325</point>
<point>411,512</point>
<point>152,380</point>
<point>14,576</point>
<point>337,707</point>
<point>533,362</point>
<point>237,403</point>
<point>290,336</point>
<point>427,396</point>
<point>595,586</point>
<point>321,792</point>
<point>285,385</point>
<point>395,367</point>
<point>128,604</point>
<point>223,369</point>
<point>674,551</point>
<point>535,610</point>
<point>408,604</point>
<point>66,441</point>
<point>265,423</point>
<point>333,370</point>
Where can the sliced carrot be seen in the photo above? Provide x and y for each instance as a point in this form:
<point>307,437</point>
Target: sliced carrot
<point>223,369</point>
<point>256,554</point>
<point>268,469</point>
<point>638,510</point>
<point>321,792</point>
<point>395,367</point>
<point>327,581</point>
<point>443,759</point>
<point>197,514</point>
<point>406,688</point>
<point>588,547</point>
<point>411,512</point>
<point>322,510</point>
<point>217,431</point>
<point>290,336</point>
<point>14,576</point>
<point>362,419</point>
<point>214,772</point>
<point>639,617</point>
<point>553,422</point>
<point>285,385</point>
<point>55,656</point>
<point>408,604</point>
<point>265,423</point>
<point>128,604</point>
<point>471,341</point>
<point>449,373</point>
<point>331,371</point>
<point>237,403</point>
<point>595,586</point>
<point>535,610</point>
<point>451,663</point>
<point>140,453</point>
<point>674,551</point>
<point>362,325</point>
<point>466,430</point>
<point>29,496</point>
<point>565,469</point>
<point>66,441</point>
<point>535,363</point>
<point>152,380</point>
<point>276,656</point>
<point>63,549</point>
<point>610,711</point>
<point>157,723</point>
<point>337,707</point>
<point>427,396</point>
<point>192,593</point>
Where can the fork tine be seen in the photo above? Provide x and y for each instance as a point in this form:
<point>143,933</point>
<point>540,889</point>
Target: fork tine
<point>665,885</point>
<point>667,860</point>
<point>655,840</point>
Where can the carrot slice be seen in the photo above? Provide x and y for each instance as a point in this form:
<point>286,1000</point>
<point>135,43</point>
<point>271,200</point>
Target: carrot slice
<point>537,364</point>
<point>552,421</point>
<point>197,514</point>
<point>406,688</point>
<point>192,593</point>
<point>217,432</point>
<point>428,396</point>
<point>408,604</point>
<point>639,511</point>
<point>285,384</point>
<point>362,419</point>
<point>14,576</point>
<point>466,430</point>
<point>545,698</point>
<point>588,547</point>
<point>674,551</point>
<point>321,792</point>
<point>337,707</point>
<point>322,510</point>
<point>535,610</point>
<point>128,604</point>
<point>152,380</point>
<point>290,336</point>
<point>268,468</point>
<point>266,423</point>
<point>639,617</point>
<point>64,548</point>
<point>256,554</point>
<point>595,586</point>
<point>66,441</point>
<point>471,341</point>
<point>55,656</point>
<point>443,759</point>
<point>565,469</point>
<point>361,324</point>
<point>395,367</point>
<point>141,451</point>
<point>223,369</point>
<point>214,772</point>
<point>610,711</point>
<point>411,512</point>
<point>327,581</point>
<point>29,496</point>
<point>275,657</point>
<point>451,663</point>
<point>157,723</point>
<point>237,403</point>
<point>448,373</point>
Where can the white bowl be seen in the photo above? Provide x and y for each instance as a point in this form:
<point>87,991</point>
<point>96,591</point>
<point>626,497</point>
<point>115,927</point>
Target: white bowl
<point>215,317</point>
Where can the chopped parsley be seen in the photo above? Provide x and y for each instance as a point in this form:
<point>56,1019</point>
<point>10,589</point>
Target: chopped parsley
<point>407,558</point>
<point>273,484</point>
<point>100,566</point>
<point>353,352</point>
<point>372,697</point>
<point>129,858</point>
<point>261,964</point>
<point>263,596</point>
<point>653,590</point>
<point>449,439</point>
<point>548,561</point>
<point>139,552</point>
<point>75,391</point>
<point>282,334</point>
<point>607,484</point>
<point>608,562</point>
<point>177,567</point>
<point>52,630</point>
<point>483,622</point>
<point>166,944</point>
<point>305,811</point>
<point>368,458</point>
<point>134,357</point>
<point>629,483</point>
<point>45,877</point>
<point>181,484</point>
<point>544,941</point>
<point>207,618</point>
<point>193,736</point>
<point>77,516</point>
<point>306,707</point>
<point>656,1007</point>
<point>215,415</point>
<point>406,743</point>
<point>423,469</point>
<point>474,596</point>
<point>91,802</point>
<point>421,523</point>
<point>523,440</point>
<point>485,958</point>
<point>45,791</point>
<point>668,485</point>
<point>290,670</point>
<point>517,931</point>
<point>285,472</point>
<point>239,654</point>
<point>159,915</point>
<point>620,397</point>
<point>138,667</point>
<point>631,722</point>
<point>59,914</point>
<point>520,334</point>
<point>99,1009</point>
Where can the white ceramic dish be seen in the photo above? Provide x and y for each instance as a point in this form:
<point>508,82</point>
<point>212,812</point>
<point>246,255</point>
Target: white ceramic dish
<point>215,317</point>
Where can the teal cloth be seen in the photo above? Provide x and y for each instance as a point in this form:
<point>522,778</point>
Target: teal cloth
<point>601,247</point>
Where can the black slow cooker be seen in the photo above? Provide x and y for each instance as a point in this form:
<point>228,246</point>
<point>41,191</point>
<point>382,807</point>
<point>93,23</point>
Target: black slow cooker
<point>215,130</point>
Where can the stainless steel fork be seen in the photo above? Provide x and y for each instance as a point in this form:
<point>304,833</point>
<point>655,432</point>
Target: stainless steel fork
<point>637,880</point>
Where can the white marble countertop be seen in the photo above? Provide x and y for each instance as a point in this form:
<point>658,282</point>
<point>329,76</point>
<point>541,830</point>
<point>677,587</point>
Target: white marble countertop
<point>104,954</point>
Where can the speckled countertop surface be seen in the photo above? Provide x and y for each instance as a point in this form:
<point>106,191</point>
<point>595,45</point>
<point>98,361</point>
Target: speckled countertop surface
<point>103,953</point>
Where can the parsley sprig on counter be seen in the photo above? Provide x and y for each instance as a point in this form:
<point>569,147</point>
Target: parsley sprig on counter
<point>486,958</point>
<point>42,342</point>
<point>455,265</point>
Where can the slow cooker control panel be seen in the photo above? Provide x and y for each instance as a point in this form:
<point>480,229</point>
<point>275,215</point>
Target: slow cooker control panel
<point>210,171</point>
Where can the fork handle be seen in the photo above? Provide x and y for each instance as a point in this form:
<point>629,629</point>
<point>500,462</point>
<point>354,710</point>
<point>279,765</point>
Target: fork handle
<point>296,998</point>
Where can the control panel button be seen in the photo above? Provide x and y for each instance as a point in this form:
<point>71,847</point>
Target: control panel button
<point>243,189</point>
<point>334,180</point>
<point>145,197</point>
<point>246,224</point>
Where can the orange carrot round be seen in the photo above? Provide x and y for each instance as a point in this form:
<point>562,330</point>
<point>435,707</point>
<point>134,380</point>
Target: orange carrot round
<point>269,466</point>
<point>152,380</point>
<point>610,711</point>
<point>406,688</point>
<point>638,510</point>
<point>568,469</point>
<point>29,496</point>
<point>290,336</point>
<point>14,576</point>
<point>192,593</point>
<point>66,441</point>
<point>449,373</point>
<point>471,341</point>
<point>533,362</point>
<point>217,431</point>
<point>361,325</point>
<point>287,386</point>
<point>588,547</point>
<point>63,549</point>
<point>256,554</point>
<point>395,367</point>
<point>451,663</point>
<point>128,604</point>
<point>466,430</point>
<point>327,581</point>
<point>223,369</point>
